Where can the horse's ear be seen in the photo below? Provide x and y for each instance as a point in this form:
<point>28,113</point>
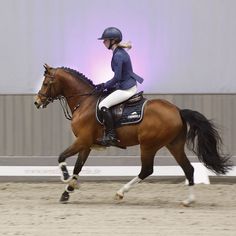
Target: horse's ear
<point>46,66</point>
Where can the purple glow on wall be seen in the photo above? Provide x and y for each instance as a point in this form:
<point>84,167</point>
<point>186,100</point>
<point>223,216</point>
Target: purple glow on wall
<point>178,46</point>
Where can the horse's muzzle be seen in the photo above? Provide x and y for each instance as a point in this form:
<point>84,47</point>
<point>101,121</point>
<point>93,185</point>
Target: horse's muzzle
<point>37,105</point>
<point>37,102</point>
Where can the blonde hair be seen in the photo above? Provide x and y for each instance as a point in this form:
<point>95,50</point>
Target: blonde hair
<point>127,45</point>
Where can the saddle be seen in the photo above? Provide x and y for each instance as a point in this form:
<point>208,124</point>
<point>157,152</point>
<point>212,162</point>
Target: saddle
<point>127,112</point>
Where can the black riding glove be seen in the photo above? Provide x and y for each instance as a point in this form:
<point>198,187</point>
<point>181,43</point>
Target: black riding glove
<point>100,87</point>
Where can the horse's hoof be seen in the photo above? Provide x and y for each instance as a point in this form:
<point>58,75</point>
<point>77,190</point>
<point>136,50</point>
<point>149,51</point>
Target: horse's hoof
<point>119,196</point>
<point>64,197</point>
<point>188,202</point>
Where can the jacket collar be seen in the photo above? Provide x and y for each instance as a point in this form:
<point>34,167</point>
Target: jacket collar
<point>116,49</point>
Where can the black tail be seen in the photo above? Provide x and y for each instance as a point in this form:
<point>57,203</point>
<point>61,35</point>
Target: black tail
<point>204,140</point>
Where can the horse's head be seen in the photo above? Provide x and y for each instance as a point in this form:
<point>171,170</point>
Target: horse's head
<point>49,88</point>
<point>62,83</point>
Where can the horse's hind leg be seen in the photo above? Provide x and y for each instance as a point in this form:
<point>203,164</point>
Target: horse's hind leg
<point>147,158</point>
<point>176,148</point>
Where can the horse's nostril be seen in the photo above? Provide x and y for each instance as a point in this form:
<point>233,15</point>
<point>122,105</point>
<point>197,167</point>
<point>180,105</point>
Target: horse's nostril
<point>37,104</point>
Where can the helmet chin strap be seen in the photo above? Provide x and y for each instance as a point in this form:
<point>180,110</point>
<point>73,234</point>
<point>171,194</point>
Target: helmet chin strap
<point>111,44</point>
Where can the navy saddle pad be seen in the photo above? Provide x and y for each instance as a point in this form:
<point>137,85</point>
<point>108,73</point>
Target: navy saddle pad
<point>128,112</point>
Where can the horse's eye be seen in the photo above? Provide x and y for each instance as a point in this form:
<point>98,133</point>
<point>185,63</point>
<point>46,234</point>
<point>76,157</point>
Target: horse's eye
<point>45,83</point>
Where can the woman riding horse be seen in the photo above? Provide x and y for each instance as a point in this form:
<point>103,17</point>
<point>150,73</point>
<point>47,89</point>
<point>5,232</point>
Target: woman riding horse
<point>123,85</point>
<point>163,124</point>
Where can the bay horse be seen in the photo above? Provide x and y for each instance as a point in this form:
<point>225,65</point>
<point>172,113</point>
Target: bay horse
<point>163,125</point>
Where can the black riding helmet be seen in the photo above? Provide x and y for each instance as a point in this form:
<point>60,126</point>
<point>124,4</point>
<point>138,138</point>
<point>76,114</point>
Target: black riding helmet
<point>112,33</point>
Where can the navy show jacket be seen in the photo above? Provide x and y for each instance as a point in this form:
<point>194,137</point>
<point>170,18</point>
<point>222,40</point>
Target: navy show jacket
<point>124,77</point>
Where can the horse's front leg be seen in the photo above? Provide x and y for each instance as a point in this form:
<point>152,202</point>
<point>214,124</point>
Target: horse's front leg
<point>73,182</point>
<point>70,151</point>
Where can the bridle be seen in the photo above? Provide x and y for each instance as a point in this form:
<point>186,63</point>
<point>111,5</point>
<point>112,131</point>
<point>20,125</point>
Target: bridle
<point>48,94</point>
<point>62,99</point>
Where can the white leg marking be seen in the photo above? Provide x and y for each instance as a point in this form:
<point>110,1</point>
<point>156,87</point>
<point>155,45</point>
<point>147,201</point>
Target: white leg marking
<point>127,187</point>
<point>191,197</point>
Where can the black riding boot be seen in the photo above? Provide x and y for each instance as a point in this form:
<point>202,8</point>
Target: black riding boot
<point>110,134</point>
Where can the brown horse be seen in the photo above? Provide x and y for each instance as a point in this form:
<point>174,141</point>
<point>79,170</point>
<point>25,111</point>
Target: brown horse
<point>163,124</point>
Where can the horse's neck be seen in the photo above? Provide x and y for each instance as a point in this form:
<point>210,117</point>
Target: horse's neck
<point>76,92</point>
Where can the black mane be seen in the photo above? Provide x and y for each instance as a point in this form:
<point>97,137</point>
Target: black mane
<point>78,75</point>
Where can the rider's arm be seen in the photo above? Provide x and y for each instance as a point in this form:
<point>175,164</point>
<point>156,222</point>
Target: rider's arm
<point>117,63</point>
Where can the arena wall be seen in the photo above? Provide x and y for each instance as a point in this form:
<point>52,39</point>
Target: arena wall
<point>26,131</point>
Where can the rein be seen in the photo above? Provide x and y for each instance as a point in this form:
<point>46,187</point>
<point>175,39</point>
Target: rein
<point>65,106</point>
<point>82,94</point>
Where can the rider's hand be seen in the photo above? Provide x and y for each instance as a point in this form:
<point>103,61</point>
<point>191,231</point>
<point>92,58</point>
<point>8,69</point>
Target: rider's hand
<point>100,87</point>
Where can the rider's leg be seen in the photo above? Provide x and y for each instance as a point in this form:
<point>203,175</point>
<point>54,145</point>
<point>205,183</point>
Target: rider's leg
<point>110,134</point>
<point>117,97</point>
<point>112,99</point>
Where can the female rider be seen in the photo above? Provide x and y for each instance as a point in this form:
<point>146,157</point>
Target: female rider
<point>123,85</point>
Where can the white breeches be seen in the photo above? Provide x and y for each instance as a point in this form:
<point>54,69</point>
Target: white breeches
<point>117,97</point>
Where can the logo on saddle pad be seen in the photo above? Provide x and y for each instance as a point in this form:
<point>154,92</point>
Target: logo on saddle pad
<point>128,112</point>
<point>134,115</point>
